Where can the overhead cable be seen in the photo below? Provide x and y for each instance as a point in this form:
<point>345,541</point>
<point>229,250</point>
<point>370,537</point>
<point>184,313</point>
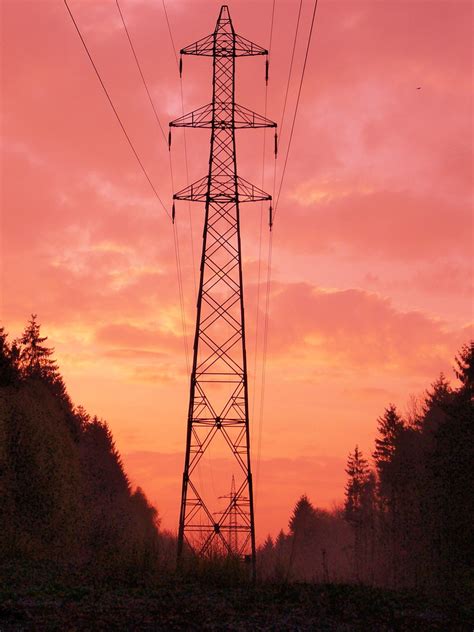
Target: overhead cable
<point>290,71</point>
<point>257,319</point>
<point>175,226</point>
<point>296,107</point>
<point>186,162</point>
<point>115,111</point>
<point>141,73</point>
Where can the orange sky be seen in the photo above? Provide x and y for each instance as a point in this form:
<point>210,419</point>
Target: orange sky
<point>371,292</point>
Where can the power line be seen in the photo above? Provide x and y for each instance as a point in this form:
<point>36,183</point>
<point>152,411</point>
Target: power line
<point>291,68</point>
<point>296,107</point>
<point>157,118</point>
<point>181,294</point>
<point>271,28</point>
<point>265,348</point>
<point>176,242</point>
<point>175,228</point>
<point>185,145</point>
<point>170,33</point>
<point>140,71</point>
<point>115,111</point>
<point>257,317</point>
<point>270,244</point>
<point>270,248</point>
<point>209,461</point>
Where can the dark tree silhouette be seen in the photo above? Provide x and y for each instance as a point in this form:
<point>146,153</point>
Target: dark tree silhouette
<point>36,358</point>
<point>8,370</point>
<point>303,518</point>
<point>411,522</point>
<point>64,494</point>
<point>390,427</point>
<point>451,478</point>
<point>359,508</point>
<point>464,368</point>
<point>358,472</point>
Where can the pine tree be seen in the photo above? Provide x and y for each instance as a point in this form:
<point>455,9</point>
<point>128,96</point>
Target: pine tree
<point>303,519</point>
<point>35,357</point>
<point>359,506</point>
<point>358,471</point>
<point>104,464</point>
<point>439,396</point>
<point>390,490</point>
<point>464,369</point>
<point>268,544</point>
<point>390,427</point>
<point>82,417</point>
<point>8,371</point>
<point>435,407</point>
<point>302,540</point>
<point>451,468</point>
<point>439,393</point>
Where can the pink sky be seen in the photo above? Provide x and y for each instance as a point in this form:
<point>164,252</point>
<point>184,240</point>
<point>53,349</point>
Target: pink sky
<point>372,260</point>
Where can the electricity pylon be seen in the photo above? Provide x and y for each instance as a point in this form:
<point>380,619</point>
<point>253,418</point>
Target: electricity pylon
<point>232,517</point>
<point>218,403</point>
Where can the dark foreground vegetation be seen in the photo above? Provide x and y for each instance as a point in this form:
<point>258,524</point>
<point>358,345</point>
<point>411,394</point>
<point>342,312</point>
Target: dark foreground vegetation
<point>53,599</point>
<point>80,549</point>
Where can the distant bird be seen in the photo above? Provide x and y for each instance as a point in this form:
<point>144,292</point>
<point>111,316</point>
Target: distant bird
<point>419,88</point>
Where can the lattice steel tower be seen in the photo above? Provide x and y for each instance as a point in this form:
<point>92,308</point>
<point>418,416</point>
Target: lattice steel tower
<point>218,405</point>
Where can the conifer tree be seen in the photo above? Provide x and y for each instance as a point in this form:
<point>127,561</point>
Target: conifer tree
<point>464,369</point>
<point>359,506</point>
<point>390,488</point>
<point>390,427</point>
<point>435,407</point>
<point>439,393</point>
<point>451,480</point>
<point>82,417</point>
<point>8,372</point>
<point>358,471</point>
<point>303,518</point>
<point>35,357</point>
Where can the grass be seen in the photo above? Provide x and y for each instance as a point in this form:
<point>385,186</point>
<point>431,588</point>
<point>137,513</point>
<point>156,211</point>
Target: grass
<point>41,598</point>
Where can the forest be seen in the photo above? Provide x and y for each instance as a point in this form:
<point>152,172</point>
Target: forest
<point>63,490</point>
<point>407,521</point>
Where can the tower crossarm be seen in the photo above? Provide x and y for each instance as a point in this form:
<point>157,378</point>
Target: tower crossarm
<point>237,46</point>
<point>221,192</point>
<point>221,117</point>
<point>224,42</point>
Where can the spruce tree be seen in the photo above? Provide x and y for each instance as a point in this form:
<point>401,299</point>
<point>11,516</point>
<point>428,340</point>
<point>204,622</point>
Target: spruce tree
<point>358,471</point>
<point>464,369</point>
<point>359,507</point>
<point>35,357</point>
<point>390,427</point>
<point>8,372</point>
<point>303,518</point>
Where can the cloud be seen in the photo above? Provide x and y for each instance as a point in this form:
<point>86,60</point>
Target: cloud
<point>378,225</point>
<point>147,339</point>
<point>358,327</point>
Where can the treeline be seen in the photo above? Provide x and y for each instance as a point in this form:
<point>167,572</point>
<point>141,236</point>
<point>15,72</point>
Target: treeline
<point>408,521</point>
<point>64,494</point>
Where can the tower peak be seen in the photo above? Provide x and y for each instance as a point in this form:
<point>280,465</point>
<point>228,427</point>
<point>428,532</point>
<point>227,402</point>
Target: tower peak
<point>224,23</point>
